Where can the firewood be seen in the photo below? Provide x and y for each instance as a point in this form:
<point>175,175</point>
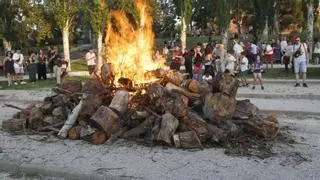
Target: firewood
<point>86,132</point>
<point>72,117</point>
<point>12,125</point>
<point>90,105</point>
<point>216,134</point>
<point>226,84</point>
<point>74,133</point>
<point>60,100</point>
<point>155,91</point>
<point>120,101</point>
<point>56,125</point>
<point>140,129</point>
<point>245,109</point>
<point>197,124</point>
<point>47,107</point>
<point>175,77</point>
<point>187,140</point>
<point>92,86</point>
<point>71,86</point>
<point>99,137</point>
<point>114,137</point>
<point>191,85</point>
<point>35,119</point>
<point>107,119</point>
<point>173,88</point>
<point>173,103</point>
<point>218,107</point>
<point>139,115</point>
<point>169,125</point>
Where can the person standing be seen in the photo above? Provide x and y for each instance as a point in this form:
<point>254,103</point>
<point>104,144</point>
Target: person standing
<point>287,56</point>
<point>284,46</point>
<point>300,55</point>
<point>56,61</point>
<point>18,58</point>
<point>316,52</point>
<point>257,73</point>
<point>9,67</point>
<point>208,68</point>
<point>244,62</point>
<point>231,61</point>
<point>50,57</point>
<point>32,66</point>
<point>197,61</point>
<point>42,70</point>
<point>188,62</point>
<point>268,54</point>
<point>238,49</point>
<point>253,52</point>
<point>276,52</point>
<point>176,59</point>
<point>91,61</point>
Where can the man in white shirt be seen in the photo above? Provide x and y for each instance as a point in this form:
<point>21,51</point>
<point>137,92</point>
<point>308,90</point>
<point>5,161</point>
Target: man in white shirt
<point>253,52</point>
<point>18,59</point>
<point>300,56</point>
<point>231,60</point>
<point>284,45</point>
<point>238,49</point>
<point>244,62</point>
<point>91,61</point>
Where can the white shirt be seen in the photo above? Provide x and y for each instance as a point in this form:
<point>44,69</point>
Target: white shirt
<point>303,49</point>
<point>283,45</point>
<point>237,48</point>
<point>17,56</point>
<point>91,59</point>
<point>317,48</point>
<point>205,78</point>
<point>269,49</point>
<point>254,49</point>
<point>165,51</point>
<point>244,64</point>
<point>230,62</point>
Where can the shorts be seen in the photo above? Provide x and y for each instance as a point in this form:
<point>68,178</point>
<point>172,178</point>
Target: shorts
<point>18,70</point>
<point>91,69</point>
<point>257,75</point>
<point>243,73</point>
<point>300,66</point>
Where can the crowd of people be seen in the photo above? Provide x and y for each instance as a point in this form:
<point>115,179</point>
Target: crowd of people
<point>37,65</point>
<point>206,60</point>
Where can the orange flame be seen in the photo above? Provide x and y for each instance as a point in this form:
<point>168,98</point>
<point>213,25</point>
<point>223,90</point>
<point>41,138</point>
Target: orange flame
<point>130,48</point>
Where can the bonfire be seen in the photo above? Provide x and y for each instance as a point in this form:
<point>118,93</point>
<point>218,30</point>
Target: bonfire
<point>136,98</point>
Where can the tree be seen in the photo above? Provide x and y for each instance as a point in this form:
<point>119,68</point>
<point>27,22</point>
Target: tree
<point>98,11</point>
<point>64,12</point>
<point>223,18</point>
<point>310,6</point>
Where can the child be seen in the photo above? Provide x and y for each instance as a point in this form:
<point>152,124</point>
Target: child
<point>257,73</point>
<point>243,69</point>
<point>207,77</point>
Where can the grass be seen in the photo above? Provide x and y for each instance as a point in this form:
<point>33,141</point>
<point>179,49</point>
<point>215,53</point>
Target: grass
<point>49,83</point>
<point>79,65</point>
<point>312,73</point>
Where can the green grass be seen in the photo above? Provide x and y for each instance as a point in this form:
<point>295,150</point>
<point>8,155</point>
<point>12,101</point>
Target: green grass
<point>49,83</point>
<point>79,65</point>
<point>312,73</point>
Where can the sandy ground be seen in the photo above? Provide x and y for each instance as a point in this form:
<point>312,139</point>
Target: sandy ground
<point>127,160</point>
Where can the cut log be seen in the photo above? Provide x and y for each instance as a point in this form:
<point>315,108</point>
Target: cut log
<point>86,132</point>
<point>99,137</point>
<point>226,84</point>
<point>137,115</point>
<point>191,85</point>
<point>197,124</point>
<point>71,85</point>
<point>155,91</point>
<point>92,86</point>
<point>175,77</point>
<point>169,125</point>
<point>173,103</point>
<point>187,140</point>
<point>216,134</point>
<point>219,107</point>
<point>72,117</point>
<point>47,107</point>
<point>173,88</point>
<point>60,100</point>
<point>35,119</point>
<point>120,101</point>
<point>89,107</point>
<point>245,110</point>
<point>13,125</point>
<point>107,119</point>
<point>74,133</point>
<point>140,129</point>
<point>59,114</point>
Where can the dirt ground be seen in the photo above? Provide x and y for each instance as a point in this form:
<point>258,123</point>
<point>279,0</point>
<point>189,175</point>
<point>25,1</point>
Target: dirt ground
<point>295,157</point>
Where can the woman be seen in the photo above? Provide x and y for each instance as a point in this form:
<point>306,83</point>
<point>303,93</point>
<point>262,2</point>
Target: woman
<point>188,62</point>
<point>197,61</point>
<point>42,69</point>
<point>32,66</point>
<point>176,59</point>
<point>276,52</point>
<point>9,67</point>
<point>208,59</point>
<point>268,54</point>
<point>316,52</point>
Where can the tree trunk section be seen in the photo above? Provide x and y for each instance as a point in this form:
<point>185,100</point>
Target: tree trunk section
<point>310,28</point>
<point>183,33</point>
<point>225,37</point>
<point>265,32</point>
<point>99,46</point>
<point>276,18</point>
<point>169,124</point>
<point>66,50</point>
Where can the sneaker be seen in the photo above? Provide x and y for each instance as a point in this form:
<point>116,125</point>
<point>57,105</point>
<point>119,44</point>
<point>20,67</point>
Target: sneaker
<point>305,85</point>
<point>253,87</point>
<point>22,82</point>
<point>297,85</point>
<point>15,83</point>
<point>262,88</point>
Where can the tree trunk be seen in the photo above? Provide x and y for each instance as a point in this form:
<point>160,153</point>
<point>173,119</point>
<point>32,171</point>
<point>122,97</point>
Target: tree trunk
<point>183,33</point>
<point>225,37</point>
<point>7,45</point>
<point>276,18</point>
<point>310,28</point>
<point>66,50</point>
<point>265,30</point>
<point>99,46</point>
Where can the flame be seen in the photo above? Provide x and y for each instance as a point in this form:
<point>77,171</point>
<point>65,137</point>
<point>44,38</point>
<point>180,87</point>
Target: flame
<point>129,46</point>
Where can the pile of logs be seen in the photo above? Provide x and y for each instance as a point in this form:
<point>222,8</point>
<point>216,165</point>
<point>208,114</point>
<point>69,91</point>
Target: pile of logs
<point>174,111</point>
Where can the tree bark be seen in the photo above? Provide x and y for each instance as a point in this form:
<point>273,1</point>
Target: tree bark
<point>276,18</point>
<point>225,38</point>
<point>66,50</point>
<point>265,31</point>
<point>183,32</point>
<point>99,46</point>
<point>310,28</point>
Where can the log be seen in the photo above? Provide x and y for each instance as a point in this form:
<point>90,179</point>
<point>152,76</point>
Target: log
<point>173,103</point>
<point>59,114</point>
<point>35,119</point>
<point>120,101</point>
<point>90,105</point>
<point>99,137</point>
<point>72,86</point>
<point>13,125</point>
<point>155,91</point>
<point>74,133</point>
<point>173,88</point>
<point>169,125</point>
<point>140,129</point>
<point>245,110</point>
<point>92,86</point>
<point>216,134</point>
<point>106,119</point>
<point>137,115</point>
<point>225,83</point>
<point>187,140</point>
<point>218,107</point>
<point>175,77</point>
<point>47,107</point>
<point>72,117</point>
<point>197,124</point>
<point>60,100</point>
<point>107,74</point>
<point>86,132</point>
<point>191,85</point>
